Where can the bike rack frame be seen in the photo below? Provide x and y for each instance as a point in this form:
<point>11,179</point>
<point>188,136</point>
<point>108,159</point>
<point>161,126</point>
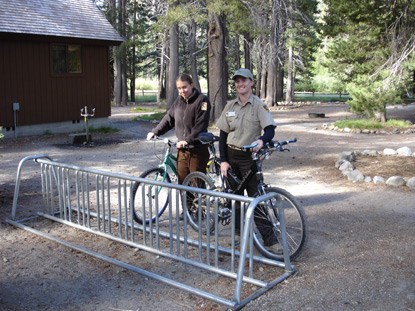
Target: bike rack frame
<point>83,198</point>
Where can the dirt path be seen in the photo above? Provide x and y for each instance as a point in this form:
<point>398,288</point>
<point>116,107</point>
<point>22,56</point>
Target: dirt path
<point>360,254</point>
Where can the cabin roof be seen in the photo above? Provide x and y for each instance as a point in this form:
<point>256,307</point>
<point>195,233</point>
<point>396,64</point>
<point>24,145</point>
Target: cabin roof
<point>60,18</point>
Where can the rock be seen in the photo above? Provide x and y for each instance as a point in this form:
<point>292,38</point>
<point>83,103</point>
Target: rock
<point>389,151</point>
<point>355,176</point>
<point>371,153</point>
<point>346,167</point>
<point>367,179</point>
<point>404,151</point>
<point>378,180</point>
<point>395,181</point>
<point>339,163</point>
<point>348,156</point>
<point>411,183</point>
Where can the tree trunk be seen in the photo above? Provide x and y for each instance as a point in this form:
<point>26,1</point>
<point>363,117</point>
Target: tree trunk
<point>271,78</point>
<point>272,57</point>
<point>279,91</point>
<point>124,92</point>
<point>161,92</point>
<point>133,74</point>
<point>173,71</point>
<point>381,116</point>
<point>247,52</point>
<point>258,79</point>
<point>192,54</point>
<point>118,80</point>
<point>217,78</point>
<point>263,90</point>
<point>413,83</point>
<point>238,55</point>
<point>120,87</point>
<point>290,77</point>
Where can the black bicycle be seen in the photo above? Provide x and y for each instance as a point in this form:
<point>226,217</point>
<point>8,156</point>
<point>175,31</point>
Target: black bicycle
<point>267,232</point>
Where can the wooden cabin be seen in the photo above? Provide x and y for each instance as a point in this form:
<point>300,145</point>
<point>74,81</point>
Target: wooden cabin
<point>54,61</point>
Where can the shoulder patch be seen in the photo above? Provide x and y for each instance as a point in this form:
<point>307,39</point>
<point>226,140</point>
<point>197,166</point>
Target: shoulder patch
<point>204,106</point>
<point>265,107</point>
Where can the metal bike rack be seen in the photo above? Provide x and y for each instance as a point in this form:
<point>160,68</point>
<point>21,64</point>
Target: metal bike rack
<point>97,202</point>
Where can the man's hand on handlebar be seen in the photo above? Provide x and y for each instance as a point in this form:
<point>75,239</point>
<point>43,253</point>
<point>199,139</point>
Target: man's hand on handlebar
<point>259,144</point>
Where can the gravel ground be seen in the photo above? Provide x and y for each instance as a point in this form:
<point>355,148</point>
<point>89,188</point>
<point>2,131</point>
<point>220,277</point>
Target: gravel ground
<point>360,254</point>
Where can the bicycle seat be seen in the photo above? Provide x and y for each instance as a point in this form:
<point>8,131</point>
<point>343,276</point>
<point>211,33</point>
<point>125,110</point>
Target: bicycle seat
<point>207,137</point>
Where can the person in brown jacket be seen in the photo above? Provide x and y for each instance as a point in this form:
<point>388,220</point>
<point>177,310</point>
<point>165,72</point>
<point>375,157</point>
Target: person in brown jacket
<point>189,115</point>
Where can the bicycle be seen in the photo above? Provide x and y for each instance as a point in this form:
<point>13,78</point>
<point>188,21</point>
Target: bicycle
<point>266,215</point>
<point>156,198</point>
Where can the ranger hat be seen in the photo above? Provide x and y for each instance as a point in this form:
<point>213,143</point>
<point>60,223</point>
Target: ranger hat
<point>243,72</point>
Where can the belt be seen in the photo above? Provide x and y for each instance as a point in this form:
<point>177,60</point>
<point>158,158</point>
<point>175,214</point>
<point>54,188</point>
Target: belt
<point>236,148</point>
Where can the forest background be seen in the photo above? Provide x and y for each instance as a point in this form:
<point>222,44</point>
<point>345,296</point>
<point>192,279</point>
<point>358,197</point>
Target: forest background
<point>363,48</point>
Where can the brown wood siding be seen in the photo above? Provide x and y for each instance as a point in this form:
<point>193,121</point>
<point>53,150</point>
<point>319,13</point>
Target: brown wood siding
<point>25,77</point>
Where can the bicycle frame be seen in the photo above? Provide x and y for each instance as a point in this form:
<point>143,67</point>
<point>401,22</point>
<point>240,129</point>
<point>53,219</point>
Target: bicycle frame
<point>169,160</point>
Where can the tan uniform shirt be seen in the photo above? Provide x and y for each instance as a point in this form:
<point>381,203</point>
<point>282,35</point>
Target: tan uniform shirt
<point>244,124</point>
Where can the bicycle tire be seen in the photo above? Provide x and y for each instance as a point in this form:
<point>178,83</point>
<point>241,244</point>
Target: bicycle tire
<point>296,227</point>
<point>197,204</point>
<point>147,209</point>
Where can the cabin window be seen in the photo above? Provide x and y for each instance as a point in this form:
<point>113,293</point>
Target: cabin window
<point>66,59</point>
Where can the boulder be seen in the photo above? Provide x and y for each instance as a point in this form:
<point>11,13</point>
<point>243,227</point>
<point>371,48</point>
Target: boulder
<point>355,176</point>
<point>395,181</point>
<point>404,151</point>
<point>378,180</point>
<point>411,183</point>
<point>389,151</point>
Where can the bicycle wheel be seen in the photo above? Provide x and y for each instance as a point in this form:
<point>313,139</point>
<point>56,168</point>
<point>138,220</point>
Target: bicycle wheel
<point>267,237</point>
<point>155,199</point>
<point>197,204</point>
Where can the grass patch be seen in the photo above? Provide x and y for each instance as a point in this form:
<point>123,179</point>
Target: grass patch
<point>103,129</point>
<point>321,97</point>
<point>372,124</point>
<point>148,109</point>
<point>157,116</point>
<point>146,98</point>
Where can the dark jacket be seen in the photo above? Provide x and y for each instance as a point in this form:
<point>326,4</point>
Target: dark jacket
<point>189,118</point>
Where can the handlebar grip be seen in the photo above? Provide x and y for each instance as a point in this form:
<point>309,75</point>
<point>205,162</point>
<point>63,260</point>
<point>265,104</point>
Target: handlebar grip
<point>288,141</point>
<point>249,147</point>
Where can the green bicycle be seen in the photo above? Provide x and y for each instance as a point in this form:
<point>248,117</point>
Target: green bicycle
<point>147,207</point>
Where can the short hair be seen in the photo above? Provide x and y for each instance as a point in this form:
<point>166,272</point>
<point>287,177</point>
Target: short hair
<point>185,78</point>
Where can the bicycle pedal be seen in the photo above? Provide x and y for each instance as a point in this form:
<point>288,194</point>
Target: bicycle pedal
<point>225,212</point>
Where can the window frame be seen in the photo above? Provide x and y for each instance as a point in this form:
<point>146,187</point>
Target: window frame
<point>65,48</point>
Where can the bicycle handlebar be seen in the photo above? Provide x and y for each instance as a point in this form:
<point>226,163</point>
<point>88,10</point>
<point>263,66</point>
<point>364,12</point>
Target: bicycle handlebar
<point>284,142</point>
<point>167,141</point>
<point>275,145</point>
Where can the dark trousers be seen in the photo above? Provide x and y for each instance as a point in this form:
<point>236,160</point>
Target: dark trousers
<point>190,160</point>
<point>241,163</point>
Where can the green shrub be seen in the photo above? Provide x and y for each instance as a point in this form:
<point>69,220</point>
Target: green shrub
<point>371,97</point>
